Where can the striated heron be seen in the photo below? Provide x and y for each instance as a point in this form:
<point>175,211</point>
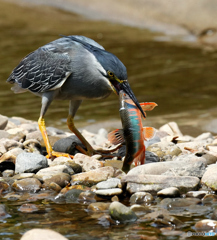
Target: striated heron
<point>73,68</point>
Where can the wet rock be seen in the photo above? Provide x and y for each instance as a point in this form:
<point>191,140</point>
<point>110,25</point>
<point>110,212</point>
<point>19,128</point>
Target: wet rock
<point>8,173</point>
<point>87,196</point>
<point>196,194</point>
<point>210,177</point>
<point>3,212</point>
<point>151,157</point>
<point>169,192</point>
<point>23,176</point>
<point>47,173</point>
<point>62,179</point>
<point>214,214</point>
<point>140,210</point>
<point>27,184</point>
<point>121,213</point>
<point>110,183</point>
<point>141,197</point>
<point>87,163</point>
<point>72,196</point>
<point>30,162</point>
<point>206,225</point>
<point>54,186</point>
<point>109,192</point>
<point>42,234</point>
<point>182,203</point>
<point>28,208</point>
<point>68,162</point>
<point>4,186</point>
<point>155,183</point>
<point>94,176</point>
<point>3,122</point>
<point>162,149</point>
<point>209,199</point>
<point>98,207</point>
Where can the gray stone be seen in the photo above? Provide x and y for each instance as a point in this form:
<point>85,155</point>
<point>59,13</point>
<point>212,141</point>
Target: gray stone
<point>204,136</point>
<point>151,157</point>
<point>141,197</point>
<point>10,144</point>
<point>155,183</point>
<point>66,161</point>
<point>30,162</point>
<point>210,177</point>
<point>11,155</point>
<point>121,213</point>
<point>27,184</point>
<point>172,129</point>
<point>169,192</point>
<point>196,194</point>
<point>109,192</point>
<point>110,183</point>
<point>62,179</point>
<point>42,234</point>
<point>4,134</point>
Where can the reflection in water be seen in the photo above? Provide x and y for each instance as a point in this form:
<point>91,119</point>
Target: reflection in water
<point>179,78</point>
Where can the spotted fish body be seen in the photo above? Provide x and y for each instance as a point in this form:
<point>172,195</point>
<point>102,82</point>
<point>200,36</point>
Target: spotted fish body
<point>133,132</point>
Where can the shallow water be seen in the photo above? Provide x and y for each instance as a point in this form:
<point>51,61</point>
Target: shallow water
<point>181,78</point>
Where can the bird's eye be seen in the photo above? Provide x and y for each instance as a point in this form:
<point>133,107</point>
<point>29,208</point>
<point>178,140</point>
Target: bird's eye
<point>110,74</point>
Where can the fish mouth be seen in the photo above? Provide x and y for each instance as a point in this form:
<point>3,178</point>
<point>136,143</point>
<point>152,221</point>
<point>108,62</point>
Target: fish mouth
<point>125,86</point>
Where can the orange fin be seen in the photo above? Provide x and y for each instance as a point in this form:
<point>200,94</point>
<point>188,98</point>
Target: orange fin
<point>140,159</point>
<point>149,133</point>
<point>116,136</point>
<point>148,106</point>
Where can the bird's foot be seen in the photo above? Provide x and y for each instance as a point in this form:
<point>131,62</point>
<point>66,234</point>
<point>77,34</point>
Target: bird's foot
<point>54,154</point>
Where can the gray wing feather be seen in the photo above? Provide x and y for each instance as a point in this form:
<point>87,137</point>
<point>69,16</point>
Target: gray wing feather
<point>44,69</point>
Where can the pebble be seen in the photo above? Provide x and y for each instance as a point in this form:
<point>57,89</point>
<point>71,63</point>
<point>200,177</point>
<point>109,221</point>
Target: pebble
<point>109,192</point>
<point>141,197</point>
<point>3,122</point>
<point>206,225</point>
<point>27,184</point>
<point>28,208</point>
<point>110,183</point>
<point>98,207</point>
<point>3,212</point>
<point>210,177</point>
<point>169,192</point>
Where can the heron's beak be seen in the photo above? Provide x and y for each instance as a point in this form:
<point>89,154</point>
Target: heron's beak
<point>125,86</point>
<point>117,86</point>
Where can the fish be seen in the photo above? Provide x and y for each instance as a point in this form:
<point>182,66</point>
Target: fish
<point>133,132</point>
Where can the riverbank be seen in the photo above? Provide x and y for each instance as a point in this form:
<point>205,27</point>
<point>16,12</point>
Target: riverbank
<point>83,192</point>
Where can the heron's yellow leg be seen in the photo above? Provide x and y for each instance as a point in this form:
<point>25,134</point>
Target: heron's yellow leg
<point>50,152</point>
<point>71,126</point>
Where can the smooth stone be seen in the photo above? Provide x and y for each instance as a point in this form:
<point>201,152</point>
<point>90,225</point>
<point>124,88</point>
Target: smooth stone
<point>4,134</point>
<point>209,199</point>
<point>210,158</point>
<point>3,212</point>
<point>10,144</point>
<point>29,127</point>
<point>214,214</point>
<point>68,162</point>
<point>169,192</point>
<point>210,177</point>
<point>34,135</point>
<point>27,184</point>
<point>110,183</point>
<point>8,173</point>
<point>206,225</point>
<point>62,179</point>
<point>151,157</point>
<point>98,207</point>
<point>94,176</point>
<point>12,155</point>
<point>28,208</point>
<point>140,210</point>
<point>109,192</point>
<point>30,162</point>
<point>198,145</point>
<point>2,149</point>
<point>172,129</point>
<point>183,202</point>
<point>4,186</point>
<point>47,173</point>
<point>72,196</point>
<point>196,194</point>
<point>155,183</point>
<point>54,186</point>
<point>3,122</point>
<point>42,234</point>
<point>87,163</point>
<point>32,145</point>
<point>87,196</point>
<point>141,197</point>
<point>204,136</point>
<point>121,213</point>
<point>23,176</point>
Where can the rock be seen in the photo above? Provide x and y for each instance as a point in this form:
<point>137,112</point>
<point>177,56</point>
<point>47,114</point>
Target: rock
<point>94,176</point>
<point>206,225</point>
<point>172,129</point>
<point>169,192</point>
<point>62,179</point>
<point>109,192</point>
<point>151,157</point>
<point>4,186</point>
<point>3,122</point>
<point>182,168</point>
<point>209,199</point>
<point>23,176</point>
<point>196,194</point>
<point>54,186</point>
<point>10,144</point>
<point>29,127</point>
<point>27,184</point>
<point>183,203</point>
<point>3,212</point>
<point>30,162</point>
<point>28,208</point>
<point>210,177</point>
<point>87,163</point>
<point>204,136</point>
<point>121,213</point>
<point>110,183</point>
<point>8,173</point>
<point>140,210</point>
<point>32,145</point>
<point>42,234</point>
<point>162,149</point>
<point>72,196</point>
<point>47,173</point>
<point>4,134</point>
<point>141,197</point>
<point>68,162</point>
<point>2,149</point>
<point>98,207</point>
<point>11,155</point>
<point>87,196</point>
<point>155,183</point>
